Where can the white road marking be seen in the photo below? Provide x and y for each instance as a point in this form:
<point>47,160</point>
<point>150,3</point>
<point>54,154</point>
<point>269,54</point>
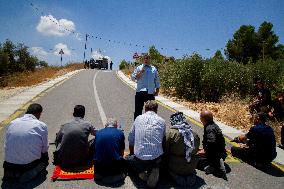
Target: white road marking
<point>98,102</point>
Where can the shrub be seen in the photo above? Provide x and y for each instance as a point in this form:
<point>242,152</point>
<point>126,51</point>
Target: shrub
<point>194,78</point>
<point>123,64</point>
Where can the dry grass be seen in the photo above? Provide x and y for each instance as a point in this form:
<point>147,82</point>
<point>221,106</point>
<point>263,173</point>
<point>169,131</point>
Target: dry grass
<point>32,78</point>
<point>128,71</point>
<point>232,111</point>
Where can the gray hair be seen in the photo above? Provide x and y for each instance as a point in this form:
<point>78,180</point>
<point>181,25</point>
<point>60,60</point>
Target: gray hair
<point>151,105</point>
<point>111,122</point>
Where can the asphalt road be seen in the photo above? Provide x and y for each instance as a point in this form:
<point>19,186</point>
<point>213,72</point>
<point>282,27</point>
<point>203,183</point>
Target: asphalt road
<point>116,99</point>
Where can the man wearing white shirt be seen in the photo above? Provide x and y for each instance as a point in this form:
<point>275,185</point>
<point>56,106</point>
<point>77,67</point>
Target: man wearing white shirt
<point>145,144</point>
<point>26,146</point>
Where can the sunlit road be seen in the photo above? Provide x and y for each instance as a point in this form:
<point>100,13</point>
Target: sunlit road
<point>104,95</point>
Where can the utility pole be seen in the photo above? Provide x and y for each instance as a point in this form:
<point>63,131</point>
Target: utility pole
<point>85,47</point>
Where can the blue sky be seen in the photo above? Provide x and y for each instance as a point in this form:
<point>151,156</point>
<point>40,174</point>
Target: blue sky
<point>184,24</point>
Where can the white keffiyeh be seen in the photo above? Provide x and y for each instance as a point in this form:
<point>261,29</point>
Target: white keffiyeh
<point>178,121</point>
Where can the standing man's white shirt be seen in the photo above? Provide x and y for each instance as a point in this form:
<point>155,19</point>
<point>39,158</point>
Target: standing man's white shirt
<point>26,139</point>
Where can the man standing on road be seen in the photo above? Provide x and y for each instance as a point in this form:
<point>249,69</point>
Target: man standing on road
<point>26,146</point>
<point>145,144</point>
<point>213,153</point>
<point>148,84</point>
<point>73,151</point>
<point>110,64</point>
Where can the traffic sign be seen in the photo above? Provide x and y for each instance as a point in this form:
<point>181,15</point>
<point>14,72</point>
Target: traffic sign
<point>61,52</point>
<point>135,55</point>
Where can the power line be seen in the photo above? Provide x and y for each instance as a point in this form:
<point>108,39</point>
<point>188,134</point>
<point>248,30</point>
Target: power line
<point>96,37</point>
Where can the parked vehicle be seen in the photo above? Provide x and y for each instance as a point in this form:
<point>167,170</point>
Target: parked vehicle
<point>99,63</point>
<point>93,64</point>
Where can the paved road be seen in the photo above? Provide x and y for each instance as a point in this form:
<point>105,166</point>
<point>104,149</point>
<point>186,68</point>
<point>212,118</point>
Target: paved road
<point>116,99</point>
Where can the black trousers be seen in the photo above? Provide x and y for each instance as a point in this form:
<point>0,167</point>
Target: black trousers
<point>282,135</point>
<point>57,160</point>
<point>16,170</point>
<point>137,165</point>
<point>249,156</point>
<point>111,168</point>
<point>140,98</point>
<point>204,161</point>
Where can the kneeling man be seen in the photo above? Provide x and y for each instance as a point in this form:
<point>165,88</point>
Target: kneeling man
<point>258,146</point>
<point>26,146</point>
<point>145,144</point>
<point>109,150</point>
<point>73,150</point>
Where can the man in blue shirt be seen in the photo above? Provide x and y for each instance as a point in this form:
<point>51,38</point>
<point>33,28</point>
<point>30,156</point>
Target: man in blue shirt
<point>258,145</point>
<point>109,151</point>
<point>148,84</point>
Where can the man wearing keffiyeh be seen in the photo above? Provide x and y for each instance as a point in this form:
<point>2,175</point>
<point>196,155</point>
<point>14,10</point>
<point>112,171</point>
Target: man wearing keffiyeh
<point>181,145</point>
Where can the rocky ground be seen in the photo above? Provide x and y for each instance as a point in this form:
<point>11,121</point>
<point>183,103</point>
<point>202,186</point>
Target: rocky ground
<point>6,93</point>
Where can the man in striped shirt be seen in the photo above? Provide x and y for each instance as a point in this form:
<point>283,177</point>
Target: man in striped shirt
<point>145,144</point>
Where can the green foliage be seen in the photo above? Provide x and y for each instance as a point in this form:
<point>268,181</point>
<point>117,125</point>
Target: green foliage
<point>16,58</point>
<point>244,45</point>
<point>195,78</point>
<point>268,71</point>
<point>156,58</point>
<point>183,77</point>
<point>4,62</point>
<point>250,46</point>
<point>123,64</point>
<point>42,64</point>
<point>218,55</point>
<point>198,79</point>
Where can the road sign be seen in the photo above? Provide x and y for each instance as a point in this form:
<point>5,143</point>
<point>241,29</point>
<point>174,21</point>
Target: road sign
<point>135,55</point>
<point>61,52</point>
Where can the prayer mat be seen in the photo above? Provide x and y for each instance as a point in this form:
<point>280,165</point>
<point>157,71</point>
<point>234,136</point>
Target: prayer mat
<point>59,174</point>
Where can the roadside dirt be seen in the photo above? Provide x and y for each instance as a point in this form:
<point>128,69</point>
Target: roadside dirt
<point>20,82</point>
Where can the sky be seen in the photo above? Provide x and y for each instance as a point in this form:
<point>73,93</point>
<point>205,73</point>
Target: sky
<point>117,29</point>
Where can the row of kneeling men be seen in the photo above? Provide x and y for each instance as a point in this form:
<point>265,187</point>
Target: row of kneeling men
<point>151,147</point>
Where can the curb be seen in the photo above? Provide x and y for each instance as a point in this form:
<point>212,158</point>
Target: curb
<point>14,106</point>
<point>194,117</point>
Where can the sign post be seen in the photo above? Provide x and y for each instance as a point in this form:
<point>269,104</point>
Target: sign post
<point>61,53</point>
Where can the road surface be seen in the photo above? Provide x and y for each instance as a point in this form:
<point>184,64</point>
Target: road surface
<point>104,95</point>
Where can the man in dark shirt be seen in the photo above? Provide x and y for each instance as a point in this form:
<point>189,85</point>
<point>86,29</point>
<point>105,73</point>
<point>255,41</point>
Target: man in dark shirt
<point>72,145</point>
<point>213,153</point>
<point>278,107</point>
<point>259,144</point>
<point>109,151</point>
<point>263,99</point>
